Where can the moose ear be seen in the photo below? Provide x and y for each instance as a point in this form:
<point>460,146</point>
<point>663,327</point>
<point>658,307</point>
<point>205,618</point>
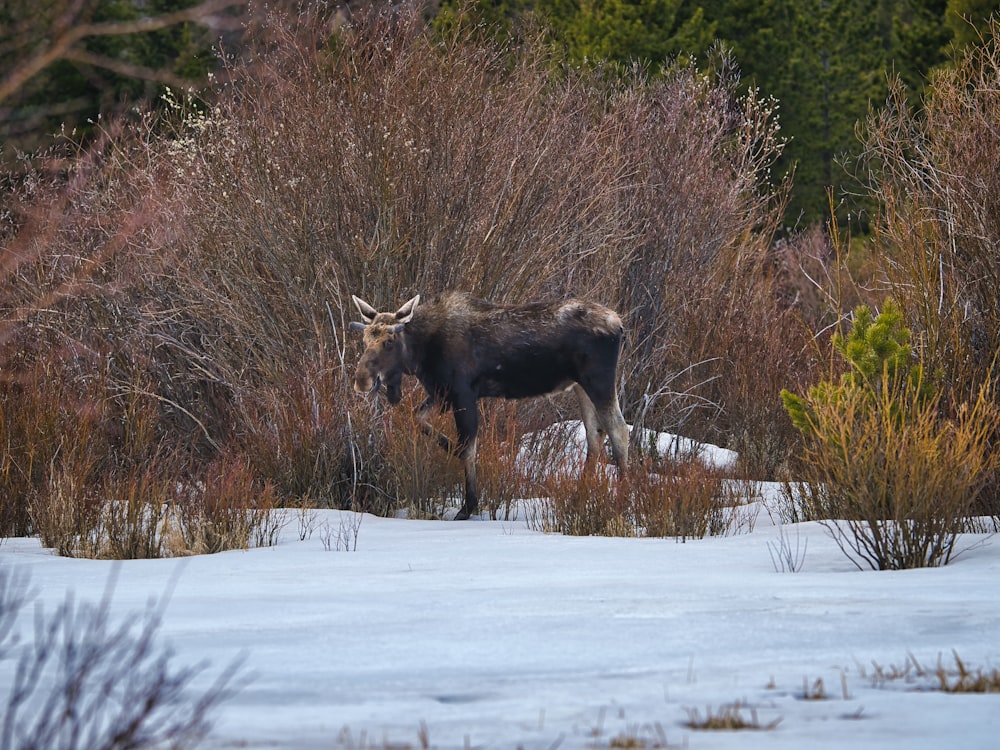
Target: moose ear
<point>356,326</point>
<point>367,311</point>
<point>405,313</point>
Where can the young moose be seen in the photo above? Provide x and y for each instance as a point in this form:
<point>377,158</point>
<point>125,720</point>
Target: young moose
<point>462,349</point>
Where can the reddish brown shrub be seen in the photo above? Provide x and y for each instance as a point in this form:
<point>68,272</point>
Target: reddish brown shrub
<point>201,265</point>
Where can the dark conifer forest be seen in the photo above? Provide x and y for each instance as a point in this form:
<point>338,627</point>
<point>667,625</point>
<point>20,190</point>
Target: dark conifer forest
<point>826,61</point>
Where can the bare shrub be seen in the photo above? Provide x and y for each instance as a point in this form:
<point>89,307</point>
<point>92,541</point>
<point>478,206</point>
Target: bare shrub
<point>420,474</point>
<point>701,293</point>
<point>299,434</point>
<point>651,197</point>
<point>550,449</point>
<point>587,503</point>
<point>65,504</point>
<point>65,512</point>
<point>111,478</point>
<point>685,500</point>
<point>682,500</point>
<point>343,538</point>
<point>502,476</point>
<point>936,170</point>
<point>203,263</point>
<point>84,681</point>
<point>786,557</point>
<point>43,418</point>
<point>155,510</point>
<point>126,520</point>
<point>111,497</point>
<point>895,490</point>
<point>84,407</point>
<point>227,508</point>
<point>446,164</point>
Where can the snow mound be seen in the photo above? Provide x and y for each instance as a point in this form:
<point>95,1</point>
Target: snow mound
<point>566,442</point>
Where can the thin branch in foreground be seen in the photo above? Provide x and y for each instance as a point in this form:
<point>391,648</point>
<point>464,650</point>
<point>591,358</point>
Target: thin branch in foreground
<point>86,682</point>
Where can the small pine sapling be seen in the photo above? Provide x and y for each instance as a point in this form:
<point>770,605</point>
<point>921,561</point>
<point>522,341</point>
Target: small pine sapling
<point>880,359</point>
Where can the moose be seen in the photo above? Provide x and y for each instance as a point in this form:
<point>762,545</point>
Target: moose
<point>462,349</point>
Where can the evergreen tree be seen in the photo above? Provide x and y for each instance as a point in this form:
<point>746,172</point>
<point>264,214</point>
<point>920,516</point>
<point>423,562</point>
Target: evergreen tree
<point>920,40</point>
<point>824,61</point>
<point>620,31</point>
<point>967,19</point>
<point>497,17</point>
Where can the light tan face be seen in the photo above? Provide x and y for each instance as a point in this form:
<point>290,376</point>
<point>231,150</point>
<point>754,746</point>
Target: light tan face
<point>382,362</point>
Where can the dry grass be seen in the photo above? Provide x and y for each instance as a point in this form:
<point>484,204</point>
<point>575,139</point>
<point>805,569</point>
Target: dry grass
<point>959,678</point>
<point>815,691</point>
<point>640,737</point>
<point>883,675</point>
<point>684,500</point>
<point>729,717</point>
<point>962,679</point>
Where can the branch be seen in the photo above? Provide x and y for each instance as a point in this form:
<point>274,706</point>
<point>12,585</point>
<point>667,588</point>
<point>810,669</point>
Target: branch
<point>61,46</point>
<point>124,68</point>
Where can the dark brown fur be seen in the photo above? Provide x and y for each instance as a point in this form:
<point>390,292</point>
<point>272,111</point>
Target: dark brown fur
<point>462,349</point>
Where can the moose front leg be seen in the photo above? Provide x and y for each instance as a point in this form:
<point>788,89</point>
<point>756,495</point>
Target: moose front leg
<point>467,426</point>
<point>424,417</point>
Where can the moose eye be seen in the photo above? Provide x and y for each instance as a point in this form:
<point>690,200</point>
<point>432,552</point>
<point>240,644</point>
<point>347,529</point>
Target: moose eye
<point>388,344</point>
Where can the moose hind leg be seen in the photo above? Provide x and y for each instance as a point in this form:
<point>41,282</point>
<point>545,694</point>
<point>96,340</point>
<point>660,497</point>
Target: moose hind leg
<point>592,425</point>
<point>611,418</point>
<point>471,504</point>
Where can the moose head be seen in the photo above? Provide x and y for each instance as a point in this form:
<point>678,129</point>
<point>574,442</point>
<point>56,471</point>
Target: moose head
<point>384,358</point>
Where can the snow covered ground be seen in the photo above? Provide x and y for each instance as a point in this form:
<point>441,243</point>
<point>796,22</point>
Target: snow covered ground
<point>489,634</point>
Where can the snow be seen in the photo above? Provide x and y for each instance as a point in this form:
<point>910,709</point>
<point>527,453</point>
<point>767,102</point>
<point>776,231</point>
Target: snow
<point>572,435</point>
<point>489,634</point>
